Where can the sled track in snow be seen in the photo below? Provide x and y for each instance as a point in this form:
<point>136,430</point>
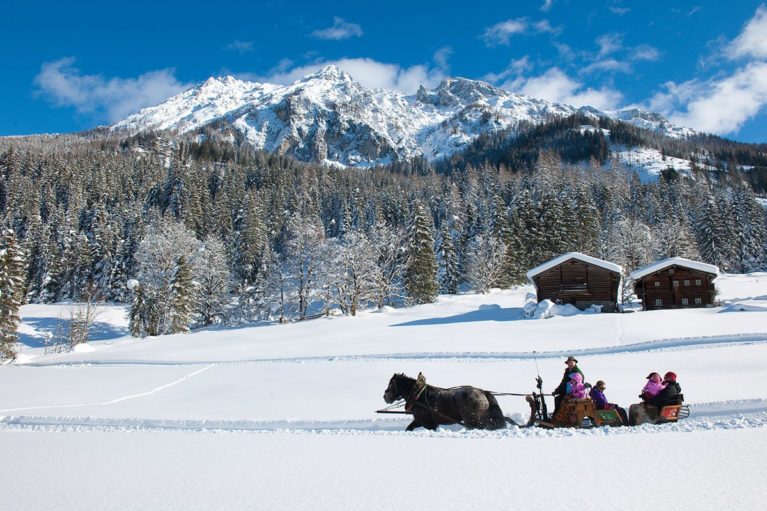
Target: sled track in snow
<point>733,421</point>
<point>682,343</point>
<point>744,414</point>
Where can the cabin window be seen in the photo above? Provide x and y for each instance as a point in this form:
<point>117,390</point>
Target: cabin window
<point>658,301</point>
<point>686,282</point>
<point>676,283</point>
<point>657,284</point>
<point>685,301</point>
<point>698,301</point>
<point>697,282</point>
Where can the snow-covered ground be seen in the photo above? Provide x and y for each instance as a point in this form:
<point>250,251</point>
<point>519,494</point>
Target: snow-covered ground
<point>649,163</point>
<point>283,417</point>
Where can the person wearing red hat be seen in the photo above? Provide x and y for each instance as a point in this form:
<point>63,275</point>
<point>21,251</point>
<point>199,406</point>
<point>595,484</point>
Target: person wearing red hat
<point>561,391</point>
<point>671,393</point>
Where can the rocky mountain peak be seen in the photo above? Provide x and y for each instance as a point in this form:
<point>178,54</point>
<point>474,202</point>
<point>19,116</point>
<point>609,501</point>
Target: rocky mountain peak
<point>329,73</point>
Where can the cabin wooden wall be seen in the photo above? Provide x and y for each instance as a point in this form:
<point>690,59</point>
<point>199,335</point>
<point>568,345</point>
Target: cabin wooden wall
<point>672,286</point>
<point>579,283</point>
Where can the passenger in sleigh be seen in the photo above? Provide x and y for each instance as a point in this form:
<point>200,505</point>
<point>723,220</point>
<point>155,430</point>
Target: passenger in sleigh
<point>561,391</point>
<point>575,387</point>
<point>653,387</point>
<point>651,408</point>
<point>597,395</point>
<point>671,393</point>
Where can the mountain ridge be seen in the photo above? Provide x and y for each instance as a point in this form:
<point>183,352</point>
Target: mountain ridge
<point>329,117</point>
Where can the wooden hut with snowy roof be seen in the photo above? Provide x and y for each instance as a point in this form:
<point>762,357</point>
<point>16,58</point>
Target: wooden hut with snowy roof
<point>577,279</point>
<point>675,283</point>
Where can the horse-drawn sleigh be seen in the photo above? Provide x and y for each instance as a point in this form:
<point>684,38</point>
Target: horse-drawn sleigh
<point>475,408</point>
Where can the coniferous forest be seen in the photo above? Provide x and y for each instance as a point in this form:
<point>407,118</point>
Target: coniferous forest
<point>192,234</point>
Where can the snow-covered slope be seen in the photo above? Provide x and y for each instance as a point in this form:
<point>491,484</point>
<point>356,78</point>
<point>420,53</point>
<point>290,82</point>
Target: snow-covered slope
<point>327,116</point>
<point>283,416</point>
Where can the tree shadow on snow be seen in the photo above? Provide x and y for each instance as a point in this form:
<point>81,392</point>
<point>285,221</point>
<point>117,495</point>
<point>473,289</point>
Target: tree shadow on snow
<point>100,331</point>
<point>490,312</point>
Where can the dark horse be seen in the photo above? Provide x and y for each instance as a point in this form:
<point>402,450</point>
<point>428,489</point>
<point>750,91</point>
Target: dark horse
<point>432,406</point>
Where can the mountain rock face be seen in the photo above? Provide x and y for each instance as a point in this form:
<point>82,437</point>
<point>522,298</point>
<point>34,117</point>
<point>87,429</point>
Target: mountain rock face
<point>328,117</point>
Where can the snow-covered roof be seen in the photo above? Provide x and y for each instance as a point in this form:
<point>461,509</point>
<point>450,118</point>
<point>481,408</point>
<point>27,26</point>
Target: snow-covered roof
<point>566,257</point>
<point>673,261</point>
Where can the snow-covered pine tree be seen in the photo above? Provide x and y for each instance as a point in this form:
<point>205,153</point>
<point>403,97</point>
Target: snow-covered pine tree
<point>137,314</point>
<point>157,260</point>
<point>214,284</point>
<point>183,296</point>
<point>501,231</point>
<point>750,234</point>
<point>12,269</point>
<point>486,263</point>
<point>305,237</point>
<point>421,274</point>
<point>356,272</point>
<point>389,244</point>
<point>448,262</point>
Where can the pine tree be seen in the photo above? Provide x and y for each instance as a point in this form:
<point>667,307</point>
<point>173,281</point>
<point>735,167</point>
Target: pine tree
<point>11,292</point>
<point>213,284</point>
<point>448,275</point>
<point>421,273</point>
<point>183,297</point>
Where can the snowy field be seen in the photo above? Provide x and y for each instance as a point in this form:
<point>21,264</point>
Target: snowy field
<point>283,416</point>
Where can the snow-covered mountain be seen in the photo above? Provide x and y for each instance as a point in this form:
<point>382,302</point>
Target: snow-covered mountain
<point>328,117</point>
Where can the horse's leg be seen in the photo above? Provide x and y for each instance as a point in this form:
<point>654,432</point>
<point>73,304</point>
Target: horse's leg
<point>412,426</point>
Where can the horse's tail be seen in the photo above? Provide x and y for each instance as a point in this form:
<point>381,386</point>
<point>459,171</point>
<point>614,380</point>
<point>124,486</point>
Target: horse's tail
<point>495,410</point>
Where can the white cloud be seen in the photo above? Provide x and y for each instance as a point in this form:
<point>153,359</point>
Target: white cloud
<point>719,105</point>
<point>607,65</point>
<point>501,33</point>
<point>722,104</point>
<point>609,43</point>
<point>752,41</point>
<point>240,46</point>
<point>646,52</point>
<point>554,85</point>
<point>368,72</point>
<point>514,69</point>
<point>546,7</point>
<point>341,29</point>
<point>110,98</point>
<point>544,26</point>
<point>442,56</point>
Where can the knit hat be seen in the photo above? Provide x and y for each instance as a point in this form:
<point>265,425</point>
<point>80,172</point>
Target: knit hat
<point>576,377</point>
<point>600,385</point>
<point>671,376</point>
<point>571,358</point>
<point>651,375</point>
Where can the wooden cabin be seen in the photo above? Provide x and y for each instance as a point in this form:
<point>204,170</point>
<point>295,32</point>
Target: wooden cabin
<point>675,283</point>
<point>577,279</point>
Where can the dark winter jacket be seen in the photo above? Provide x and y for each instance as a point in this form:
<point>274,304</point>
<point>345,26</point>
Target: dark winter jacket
<point>562,389</point>
<point>668,396</point>
<point>600,401</point>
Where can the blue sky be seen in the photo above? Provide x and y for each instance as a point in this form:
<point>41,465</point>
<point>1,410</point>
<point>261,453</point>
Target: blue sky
<point>70,66</point>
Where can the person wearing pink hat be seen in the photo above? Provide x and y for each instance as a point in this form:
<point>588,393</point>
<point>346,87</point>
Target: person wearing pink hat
<point>653,387</point>
<point>671,393</point>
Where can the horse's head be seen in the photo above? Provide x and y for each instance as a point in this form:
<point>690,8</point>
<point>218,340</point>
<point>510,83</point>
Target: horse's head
<point>393,392</point>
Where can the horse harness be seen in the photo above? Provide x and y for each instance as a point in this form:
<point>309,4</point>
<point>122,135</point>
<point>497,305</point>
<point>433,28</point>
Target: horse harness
<point>418,389</point>
<point>413,399</point>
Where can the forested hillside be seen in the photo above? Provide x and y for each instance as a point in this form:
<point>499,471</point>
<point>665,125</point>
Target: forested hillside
<point>194,234</point>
